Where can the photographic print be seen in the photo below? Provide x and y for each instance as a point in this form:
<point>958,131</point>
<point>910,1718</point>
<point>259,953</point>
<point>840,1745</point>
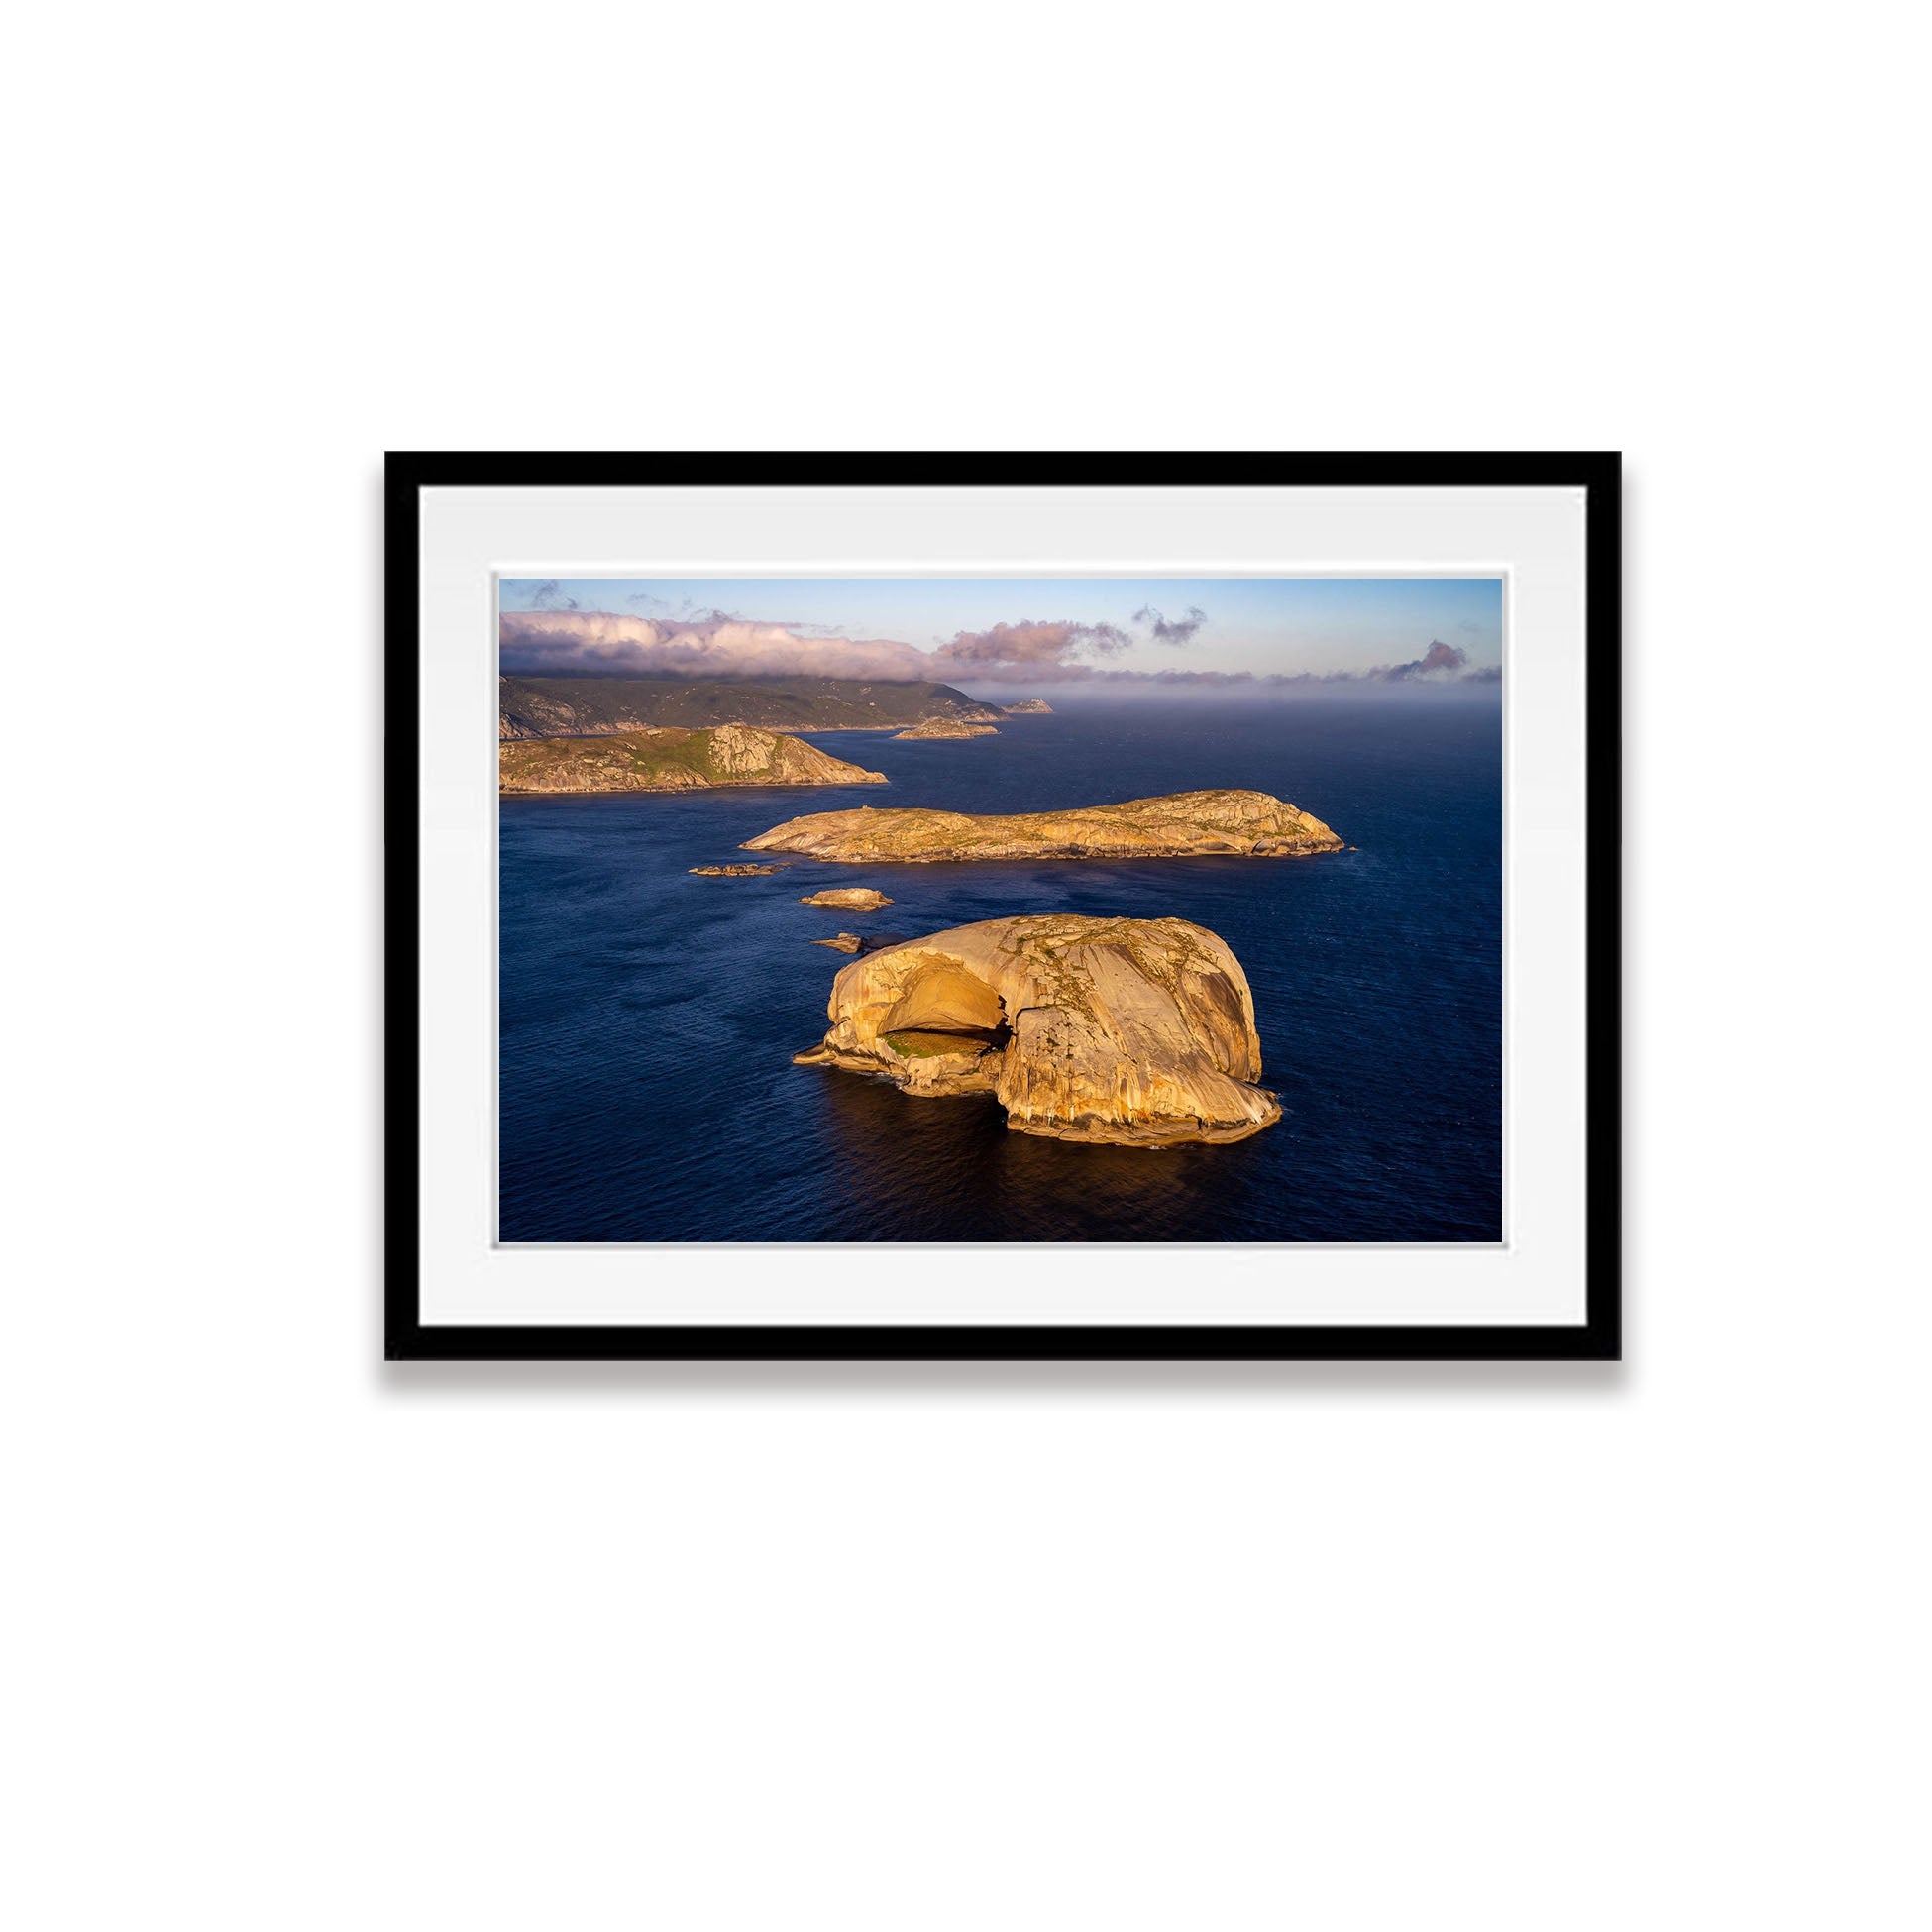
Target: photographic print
<point>992,910</point>
<point>1002,906</point>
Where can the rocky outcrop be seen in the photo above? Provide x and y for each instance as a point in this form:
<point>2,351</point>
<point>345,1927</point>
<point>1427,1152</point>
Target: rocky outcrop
<point>736,871</point>
<point>861,941</point>
<point>670,760</point>
<point>1029,708</point>
<point>947,728</point>
<point>853,899</point>
<point>1250,825</point>
<point>1134,1032</point>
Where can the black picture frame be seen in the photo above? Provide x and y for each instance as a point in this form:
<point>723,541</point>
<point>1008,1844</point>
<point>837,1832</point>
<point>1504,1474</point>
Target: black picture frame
<point>1597,1339</point>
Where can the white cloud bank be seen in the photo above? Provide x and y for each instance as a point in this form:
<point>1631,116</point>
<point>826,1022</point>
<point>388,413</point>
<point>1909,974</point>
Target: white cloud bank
<point>571,643</point>
<point>597,643</point>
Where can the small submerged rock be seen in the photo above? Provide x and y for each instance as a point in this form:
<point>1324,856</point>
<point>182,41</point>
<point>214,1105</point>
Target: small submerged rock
<point>862,943</point>
<point>851,898</point>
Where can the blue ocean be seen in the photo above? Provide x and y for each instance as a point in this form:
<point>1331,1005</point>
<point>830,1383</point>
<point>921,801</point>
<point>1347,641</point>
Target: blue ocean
<point>649,1017</point>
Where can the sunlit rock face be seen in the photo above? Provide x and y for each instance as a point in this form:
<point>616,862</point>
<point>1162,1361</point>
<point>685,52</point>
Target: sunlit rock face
<point>851,898</point>
<point>1187,825</point>
<point>1133,1032</point>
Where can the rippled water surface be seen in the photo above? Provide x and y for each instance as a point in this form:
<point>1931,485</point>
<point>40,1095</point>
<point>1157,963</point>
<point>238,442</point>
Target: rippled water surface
<point>649,1017</point>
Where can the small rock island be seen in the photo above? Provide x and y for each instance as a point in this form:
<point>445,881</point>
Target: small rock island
<point>947,728</point>
<point>670,759</point>
<point>851,898</point>
<point>1029,708</point>
<point>1137,1032</point>
<point>1247,825</point>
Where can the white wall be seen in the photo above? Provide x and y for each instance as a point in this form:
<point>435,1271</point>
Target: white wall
<point>297,1642</point>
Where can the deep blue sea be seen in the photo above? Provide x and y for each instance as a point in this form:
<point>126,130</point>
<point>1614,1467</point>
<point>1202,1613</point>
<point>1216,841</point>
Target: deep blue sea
<point>649,1017</point>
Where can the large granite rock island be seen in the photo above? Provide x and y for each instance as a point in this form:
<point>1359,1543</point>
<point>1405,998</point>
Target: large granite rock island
<point>1134,1032</point>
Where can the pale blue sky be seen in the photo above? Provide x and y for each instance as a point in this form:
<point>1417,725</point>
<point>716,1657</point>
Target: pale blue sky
<point>1258,625</point>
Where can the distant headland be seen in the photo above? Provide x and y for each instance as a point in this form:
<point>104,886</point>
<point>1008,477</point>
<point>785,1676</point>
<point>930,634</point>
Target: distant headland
<point>577,707</point>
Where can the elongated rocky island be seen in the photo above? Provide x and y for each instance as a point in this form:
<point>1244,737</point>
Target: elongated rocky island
<point>1138,1032</point>
<point>670,759</point>
<point>1250,824</point>
<point>947,728</point>
<point>1029,708</point>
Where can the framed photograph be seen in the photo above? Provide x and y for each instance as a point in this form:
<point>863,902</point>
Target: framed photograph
<point>1003,906</point>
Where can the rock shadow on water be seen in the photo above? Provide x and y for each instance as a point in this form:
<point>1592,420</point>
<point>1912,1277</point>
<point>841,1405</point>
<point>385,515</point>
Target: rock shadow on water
<point>950,1168</point>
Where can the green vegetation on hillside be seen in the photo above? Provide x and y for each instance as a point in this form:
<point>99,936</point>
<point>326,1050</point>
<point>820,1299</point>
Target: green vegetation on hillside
<point>554,708</point>
<point>617,764</point>
<point>670,759</point>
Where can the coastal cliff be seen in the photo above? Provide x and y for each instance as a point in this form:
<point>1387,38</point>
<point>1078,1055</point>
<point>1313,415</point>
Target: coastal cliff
<point>1138,1032</point>
<point>1248,824</point>
<point>670,761</point>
